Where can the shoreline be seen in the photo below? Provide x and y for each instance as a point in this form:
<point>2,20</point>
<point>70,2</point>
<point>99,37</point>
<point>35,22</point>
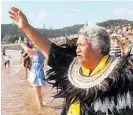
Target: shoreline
<point>18,96</point>
<point>11,47</point>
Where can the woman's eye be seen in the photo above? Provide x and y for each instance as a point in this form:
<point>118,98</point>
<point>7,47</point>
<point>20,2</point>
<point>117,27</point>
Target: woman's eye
<point>80,44</point>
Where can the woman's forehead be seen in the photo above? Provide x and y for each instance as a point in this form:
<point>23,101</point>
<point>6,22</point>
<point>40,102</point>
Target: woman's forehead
<point>81,39</point>
<point>114,37</point>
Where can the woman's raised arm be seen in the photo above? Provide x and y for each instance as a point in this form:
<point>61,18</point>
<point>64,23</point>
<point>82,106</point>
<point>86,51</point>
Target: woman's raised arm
<point>39,40</point>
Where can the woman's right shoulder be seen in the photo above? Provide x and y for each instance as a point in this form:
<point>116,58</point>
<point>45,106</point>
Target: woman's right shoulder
<point>59,55</point>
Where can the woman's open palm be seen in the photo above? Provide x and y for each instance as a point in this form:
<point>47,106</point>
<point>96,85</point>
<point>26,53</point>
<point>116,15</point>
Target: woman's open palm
<point>19,17</point>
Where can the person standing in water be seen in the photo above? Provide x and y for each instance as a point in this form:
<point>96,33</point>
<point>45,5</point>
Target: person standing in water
<point>36,68</point>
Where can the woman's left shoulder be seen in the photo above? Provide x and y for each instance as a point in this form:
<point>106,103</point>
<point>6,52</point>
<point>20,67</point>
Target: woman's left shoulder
<point>39,53</point>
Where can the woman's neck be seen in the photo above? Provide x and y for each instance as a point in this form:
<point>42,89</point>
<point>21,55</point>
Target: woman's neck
<point>92,64</point>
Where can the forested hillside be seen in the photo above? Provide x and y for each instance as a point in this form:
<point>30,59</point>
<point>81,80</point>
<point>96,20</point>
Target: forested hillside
<point>10,32</point>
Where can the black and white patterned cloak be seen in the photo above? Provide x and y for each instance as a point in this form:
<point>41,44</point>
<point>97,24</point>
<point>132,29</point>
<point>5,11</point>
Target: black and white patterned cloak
<point>109,92</point>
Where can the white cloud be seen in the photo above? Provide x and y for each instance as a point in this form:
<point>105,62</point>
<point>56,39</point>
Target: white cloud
<point>73,10</point>
<point>42,15</point>
<point>123,11</point>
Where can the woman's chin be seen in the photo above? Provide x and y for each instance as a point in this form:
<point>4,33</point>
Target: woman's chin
<point>80,61</point>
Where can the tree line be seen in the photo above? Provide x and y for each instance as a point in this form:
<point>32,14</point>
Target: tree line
<point>10,33</point>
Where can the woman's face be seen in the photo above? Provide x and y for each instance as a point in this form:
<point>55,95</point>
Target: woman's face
<point>85,51</point>
<point>113,39</point>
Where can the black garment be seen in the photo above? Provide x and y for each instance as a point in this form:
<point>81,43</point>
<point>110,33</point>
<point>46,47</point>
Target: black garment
<point>27,61</point>
<point>116,86</point>
<point>7,63</point>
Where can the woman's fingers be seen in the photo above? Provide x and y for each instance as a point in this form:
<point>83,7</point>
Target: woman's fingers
<point>14,9</point>
<point>13,18</point>
<point>12,13</point>
<point>16,14</point>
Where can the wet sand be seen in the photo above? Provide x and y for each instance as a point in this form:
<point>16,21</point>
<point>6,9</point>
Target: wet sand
<point>18,96</point>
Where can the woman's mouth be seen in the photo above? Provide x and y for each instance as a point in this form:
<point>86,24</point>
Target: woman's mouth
<point>79,56</point>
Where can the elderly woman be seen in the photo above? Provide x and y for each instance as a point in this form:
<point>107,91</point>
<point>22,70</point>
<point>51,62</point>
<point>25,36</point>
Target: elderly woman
<point>93,83</point>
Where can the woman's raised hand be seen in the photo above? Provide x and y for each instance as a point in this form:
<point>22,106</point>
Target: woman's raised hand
<point>18,16</point>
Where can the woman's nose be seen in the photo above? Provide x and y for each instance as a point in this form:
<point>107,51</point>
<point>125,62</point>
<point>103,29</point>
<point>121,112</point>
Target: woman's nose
<point>78,49</point>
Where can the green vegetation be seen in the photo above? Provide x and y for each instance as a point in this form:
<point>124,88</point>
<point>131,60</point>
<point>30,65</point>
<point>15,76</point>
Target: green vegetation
<point>114,23</point>
<point>10,33</point>
<point>12,38</point>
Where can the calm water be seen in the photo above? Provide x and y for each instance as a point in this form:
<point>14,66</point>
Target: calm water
<point>18,96</point>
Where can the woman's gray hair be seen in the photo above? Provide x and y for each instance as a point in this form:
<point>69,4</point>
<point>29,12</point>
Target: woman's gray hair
<point>98,37</point>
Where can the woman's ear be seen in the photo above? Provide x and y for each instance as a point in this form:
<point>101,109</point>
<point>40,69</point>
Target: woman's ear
<point>98,50</point>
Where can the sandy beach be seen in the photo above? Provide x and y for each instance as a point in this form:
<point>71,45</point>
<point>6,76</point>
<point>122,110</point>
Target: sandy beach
<point>18,96</point>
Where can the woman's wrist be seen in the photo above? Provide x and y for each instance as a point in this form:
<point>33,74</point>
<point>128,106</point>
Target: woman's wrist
<point>27,26</point>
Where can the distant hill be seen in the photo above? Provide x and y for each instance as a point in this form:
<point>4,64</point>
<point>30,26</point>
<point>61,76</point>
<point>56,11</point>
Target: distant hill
<point>10,32</point>
<point>114,23</point>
